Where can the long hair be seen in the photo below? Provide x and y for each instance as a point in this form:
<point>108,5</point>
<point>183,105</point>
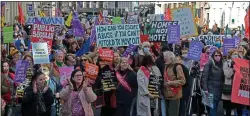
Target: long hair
<point>118,67</point>
<point>71,45</point>
<point>147,60</point>
<point>5,61</point>
<point>26,56</point>
<point>220,63</point>
<point>72,81</point>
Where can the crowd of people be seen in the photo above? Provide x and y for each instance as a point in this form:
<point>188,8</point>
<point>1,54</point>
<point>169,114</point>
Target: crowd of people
<point>44,95</point>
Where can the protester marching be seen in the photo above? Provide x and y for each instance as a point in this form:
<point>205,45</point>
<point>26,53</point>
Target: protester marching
<point>123,66</point>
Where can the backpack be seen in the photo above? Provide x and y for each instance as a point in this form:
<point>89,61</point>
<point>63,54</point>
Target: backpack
<point>185,71</point>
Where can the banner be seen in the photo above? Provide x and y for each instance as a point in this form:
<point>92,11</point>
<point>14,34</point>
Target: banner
<point>195,50</point>
<point>48,41</point>
<point>116,20</point>
<point>209,39</point>
<point>43,31</point>
<point>117,35</point>
<point>185,18</point>
<point>247,27</point>
<point>40,53</point>
<point>227,45</point>
<point>91,71</point>
<point>131,48</point>
<point>65,73</point>
<point>173,34</point>
<point>21,69</point>
<point>159,30</point>
<point>240,89</point>
<point>8,34</point>
<point>106,55</point>
<point>46,20</point>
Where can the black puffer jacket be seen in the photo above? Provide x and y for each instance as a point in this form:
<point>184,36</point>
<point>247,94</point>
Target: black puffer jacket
<point>212,79</point>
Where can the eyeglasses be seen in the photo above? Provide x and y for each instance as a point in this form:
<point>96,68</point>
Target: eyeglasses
<point>78,75</point>
<point>217,55</point>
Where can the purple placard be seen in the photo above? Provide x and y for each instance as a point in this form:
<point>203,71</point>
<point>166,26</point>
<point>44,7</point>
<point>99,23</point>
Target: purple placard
<point>21,67</point>
<point>131,48</point>
<point>65,73</point>
<point>61,37</point>
<point>195,50</point>
<point>173,34</point>
<point>212,49</point>
<point>227,45</point>
<point>237,41</point>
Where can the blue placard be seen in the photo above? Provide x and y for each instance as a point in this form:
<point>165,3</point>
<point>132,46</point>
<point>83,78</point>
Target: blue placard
<point>195,50</point>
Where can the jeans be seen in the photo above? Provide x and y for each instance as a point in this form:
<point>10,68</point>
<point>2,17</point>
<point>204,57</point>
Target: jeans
<point>53,110</point>
<point>213,111</point>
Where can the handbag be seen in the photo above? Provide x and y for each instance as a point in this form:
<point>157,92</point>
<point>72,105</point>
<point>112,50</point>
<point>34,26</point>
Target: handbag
<point>13,109</point>
<point>226,89</point>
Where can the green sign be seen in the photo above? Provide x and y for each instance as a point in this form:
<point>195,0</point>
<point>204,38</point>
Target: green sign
<point>8,34</point>
<point>116,20</point>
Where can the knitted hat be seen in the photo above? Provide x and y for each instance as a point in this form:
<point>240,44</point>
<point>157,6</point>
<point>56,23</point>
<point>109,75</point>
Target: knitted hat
<point>13,52</point>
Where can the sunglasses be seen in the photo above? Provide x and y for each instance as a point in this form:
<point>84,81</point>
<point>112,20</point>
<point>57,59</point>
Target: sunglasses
<point>217,55</point>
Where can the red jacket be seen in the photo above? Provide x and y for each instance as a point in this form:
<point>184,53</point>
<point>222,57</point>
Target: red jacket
<point>6,83</point>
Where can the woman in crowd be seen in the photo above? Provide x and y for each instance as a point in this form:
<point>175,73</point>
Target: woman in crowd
<point>8,86</point>
<point>147,102</point>
<point>227,85</point>
<point>242,51</point>
<point>15,55</point>
<point>74,47</point>
<point>104,90</point>
<point>116,60</point>
<point>125,94</point>
<point>38,97</point>
<point>138,57</point>
<point>212,79</point>
<point>54,74</point>
<point>174,79</point>
<point>70,60</point>
<point>84,59</point>
<point>77,96</point>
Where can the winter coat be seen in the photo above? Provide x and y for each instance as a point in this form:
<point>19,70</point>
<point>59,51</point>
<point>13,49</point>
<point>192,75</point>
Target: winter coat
<point>212,79</point>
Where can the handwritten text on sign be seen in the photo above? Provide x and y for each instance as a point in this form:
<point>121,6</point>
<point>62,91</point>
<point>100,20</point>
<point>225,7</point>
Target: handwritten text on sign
<point>21,67</point>
<point>195,50</point>
<point>159,30</point>
<point>46,20</point>
<point>40,53</point>
<point>117,35</point>
<point>43,31</point>
<point>185,19</point>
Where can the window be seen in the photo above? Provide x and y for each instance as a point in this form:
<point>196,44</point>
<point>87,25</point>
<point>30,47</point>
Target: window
<point>101,4</point>
<point>87,4</point>
<point>198,11</point>
<point>238,14</point>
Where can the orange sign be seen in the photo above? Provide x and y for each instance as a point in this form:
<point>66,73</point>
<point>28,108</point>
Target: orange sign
<point>91,71</point>
<point>241,82</point>
<point>106,55</point>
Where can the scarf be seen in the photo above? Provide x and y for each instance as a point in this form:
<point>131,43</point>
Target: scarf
<point>40,102</point>
<point>59,64</point>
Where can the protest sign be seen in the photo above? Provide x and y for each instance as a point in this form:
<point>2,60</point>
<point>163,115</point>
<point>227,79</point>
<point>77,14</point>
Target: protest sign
<point>207,99</point>
<point>227,45</point>
<point>212,49</point>
<point>48,41</point>
<point>173,34</point>
<point>159,30</point>
<point>46,20</point>
<point>240,89</point>
<point>154,86</point>
<point>204,60</point>
<point>237,41</point>
<point>65,73</point>
<point>43,31</point>
<point>144,38</point>
<point>40,53</point>
<point>116,20</point>
<point>107,80</point>
<point>106,55</point>
<point>209,39</point>
<point>132,19</point>
<point>91,71</point>
<point>117,35</point>
<point>185,18</point>
<point>7,34</point>
<point>131,48</point>
<point>195,50</point>
<point>21,68</point>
